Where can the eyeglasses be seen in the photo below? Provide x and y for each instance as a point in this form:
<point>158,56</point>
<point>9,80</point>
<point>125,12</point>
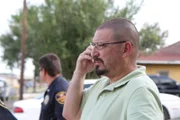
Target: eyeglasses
<point>101,45</point>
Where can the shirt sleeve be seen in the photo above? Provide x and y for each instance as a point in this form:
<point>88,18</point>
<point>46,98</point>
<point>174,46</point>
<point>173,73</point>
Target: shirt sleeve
<point>59,104</point>
<point>144,104</point>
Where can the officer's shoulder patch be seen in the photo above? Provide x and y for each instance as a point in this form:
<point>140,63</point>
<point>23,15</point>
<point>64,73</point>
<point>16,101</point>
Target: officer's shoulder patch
<point>60,97</point>
<point>2,104</point>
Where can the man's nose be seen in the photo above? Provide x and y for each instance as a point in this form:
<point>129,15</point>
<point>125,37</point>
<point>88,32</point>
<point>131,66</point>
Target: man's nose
<point>94,52</point>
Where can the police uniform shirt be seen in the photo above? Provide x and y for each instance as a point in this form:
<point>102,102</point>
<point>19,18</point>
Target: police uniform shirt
<point>54,97</point>
<point>5,114</point>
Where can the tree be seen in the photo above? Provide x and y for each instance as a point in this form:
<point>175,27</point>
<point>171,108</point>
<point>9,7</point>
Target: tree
<point>64,27</point>
<point>152,38</point>
<point>23,47</point>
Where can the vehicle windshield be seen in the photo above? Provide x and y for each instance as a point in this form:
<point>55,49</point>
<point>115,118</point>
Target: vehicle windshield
<point>167,80</point>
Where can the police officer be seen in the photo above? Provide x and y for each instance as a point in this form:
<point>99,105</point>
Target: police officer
<point>54,96</point>
<point>5,114</point>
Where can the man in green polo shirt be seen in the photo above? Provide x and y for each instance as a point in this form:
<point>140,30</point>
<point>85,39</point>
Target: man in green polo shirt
<point>124,92</point>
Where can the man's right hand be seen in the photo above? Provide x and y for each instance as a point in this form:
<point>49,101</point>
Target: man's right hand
<point>85,62</point>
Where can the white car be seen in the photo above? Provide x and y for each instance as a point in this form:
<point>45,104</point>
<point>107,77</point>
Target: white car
<point>30,109</point>
<point>171,106</point>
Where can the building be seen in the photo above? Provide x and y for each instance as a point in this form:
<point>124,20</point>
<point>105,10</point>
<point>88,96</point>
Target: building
<point>11,79</point>
<point>165,61</point>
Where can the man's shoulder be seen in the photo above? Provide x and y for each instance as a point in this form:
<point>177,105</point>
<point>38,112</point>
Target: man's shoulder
<point>5,114</point>
<point>142,81</point>
<point>61,83</point>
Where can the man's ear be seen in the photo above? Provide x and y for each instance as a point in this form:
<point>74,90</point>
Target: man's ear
<point>44,72</point>
<point>127,49</point>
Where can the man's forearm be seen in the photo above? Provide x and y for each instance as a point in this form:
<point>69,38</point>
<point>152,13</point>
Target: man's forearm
<point>74,96</point>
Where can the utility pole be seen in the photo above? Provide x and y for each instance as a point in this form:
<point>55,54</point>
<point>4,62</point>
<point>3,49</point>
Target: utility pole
<point>23,47</point>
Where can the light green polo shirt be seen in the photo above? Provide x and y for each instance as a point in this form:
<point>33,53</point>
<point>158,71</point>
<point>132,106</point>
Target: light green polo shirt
<point>134,97</point>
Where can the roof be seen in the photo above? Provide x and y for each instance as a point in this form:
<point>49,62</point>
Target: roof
<point>167,55</point>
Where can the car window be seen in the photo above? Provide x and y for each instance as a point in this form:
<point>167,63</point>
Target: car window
<point>166,80</point>
<point>163,80</point>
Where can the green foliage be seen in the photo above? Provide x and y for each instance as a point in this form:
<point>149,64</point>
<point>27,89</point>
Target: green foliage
<point>152,38</point>
<point>12,51</point>
<point>64,27</point>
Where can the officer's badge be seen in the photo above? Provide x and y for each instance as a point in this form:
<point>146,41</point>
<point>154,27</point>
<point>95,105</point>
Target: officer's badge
<point>60,97</point>
<point>2,104</point>
<point>46,99</point>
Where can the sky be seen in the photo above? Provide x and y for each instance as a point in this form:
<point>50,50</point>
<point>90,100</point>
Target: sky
<point>164,12</point>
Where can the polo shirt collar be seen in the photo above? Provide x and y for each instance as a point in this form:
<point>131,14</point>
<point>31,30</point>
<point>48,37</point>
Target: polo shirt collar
<point>123,81</point>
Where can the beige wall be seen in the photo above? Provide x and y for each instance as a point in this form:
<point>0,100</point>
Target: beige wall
<point>174,70</point>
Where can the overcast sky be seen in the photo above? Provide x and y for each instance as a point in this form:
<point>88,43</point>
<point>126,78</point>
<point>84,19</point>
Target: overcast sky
<point>165,12</point>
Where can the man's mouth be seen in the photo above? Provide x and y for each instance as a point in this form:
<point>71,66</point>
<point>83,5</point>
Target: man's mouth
<point>97,60</point>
